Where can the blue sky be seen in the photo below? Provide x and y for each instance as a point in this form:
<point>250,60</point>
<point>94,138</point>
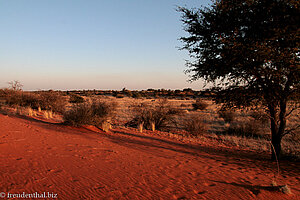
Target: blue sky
<point>93,44</point>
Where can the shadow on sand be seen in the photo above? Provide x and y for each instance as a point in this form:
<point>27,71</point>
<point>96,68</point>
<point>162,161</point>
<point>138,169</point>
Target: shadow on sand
<point>142,142</point>
<point>255,189</point>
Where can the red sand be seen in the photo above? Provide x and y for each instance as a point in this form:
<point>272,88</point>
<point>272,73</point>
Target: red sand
<point>77,163</point>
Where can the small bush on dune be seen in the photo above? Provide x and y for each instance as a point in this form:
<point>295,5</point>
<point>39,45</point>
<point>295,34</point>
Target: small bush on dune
<point>103,110</point>
<point>227,115</point>
<point>52,100</point>
<point>136,95</point>
<point>260,116</point>
<point>12,97</point>
<point>79,114</point>
<point>153,116</point>
<point>19,98</point>
<point>90,113</point>
<point>46,100</point>
<point>75,98</point>
<point>199,105</point>
<point>184,105</point>
<point>248,129</point>
<point>118,95</point>
<point>31,100</point>
<point>194,125</point>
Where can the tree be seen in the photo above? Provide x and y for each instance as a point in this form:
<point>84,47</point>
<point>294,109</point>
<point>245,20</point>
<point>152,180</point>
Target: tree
<point>250,51</point>
<point>15,85</point>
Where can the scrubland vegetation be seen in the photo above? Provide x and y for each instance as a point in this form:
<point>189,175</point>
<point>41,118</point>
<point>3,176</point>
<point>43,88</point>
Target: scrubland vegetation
<point>195,118</point>
<point>93,112</point>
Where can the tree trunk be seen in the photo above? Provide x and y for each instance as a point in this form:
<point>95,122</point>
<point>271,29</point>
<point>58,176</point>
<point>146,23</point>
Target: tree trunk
<point>276,142</point>
<point>278,124</point>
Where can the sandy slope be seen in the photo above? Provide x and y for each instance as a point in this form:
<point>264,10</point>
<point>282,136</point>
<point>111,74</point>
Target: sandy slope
<point>78,163</point>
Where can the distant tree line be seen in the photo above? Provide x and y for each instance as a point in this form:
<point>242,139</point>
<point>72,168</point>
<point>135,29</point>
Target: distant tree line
<point>149,93</point>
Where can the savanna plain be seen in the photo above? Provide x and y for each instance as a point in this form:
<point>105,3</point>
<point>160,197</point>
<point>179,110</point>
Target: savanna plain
<point>122,146</point>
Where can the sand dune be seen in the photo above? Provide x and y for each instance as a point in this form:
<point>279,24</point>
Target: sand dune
<point>85,163</point>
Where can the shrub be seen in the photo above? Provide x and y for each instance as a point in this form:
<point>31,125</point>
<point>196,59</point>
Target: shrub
<point>184,105</point>
<point>30,100</point>
<point>90,113</point>
<point>199,105</point>
<point>127,93</point>
<point>136,95</point>
<point>248,129</point>
<point>46,100</point>
<point>12,97</point>
<point>260,116</point>
<point>79,114</point>
<point>153,116</point>
<point>194,125</point>
<point>227,115</point>
<point>120,96</point>
<point>52,100</point>
<point>75,98</point>
<point>19,98</point>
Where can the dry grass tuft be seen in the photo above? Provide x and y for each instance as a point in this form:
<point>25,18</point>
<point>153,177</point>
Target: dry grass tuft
<point>48,114</point>
<point>140,127</point>
<point>106,126</point>
<point>285,189</point>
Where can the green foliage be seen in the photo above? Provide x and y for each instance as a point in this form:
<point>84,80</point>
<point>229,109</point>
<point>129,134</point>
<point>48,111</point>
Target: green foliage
<point>243,42</point>
<point>250,50</point>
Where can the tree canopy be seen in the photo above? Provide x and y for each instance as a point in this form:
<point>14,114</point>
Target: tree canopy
<point>250,50</point>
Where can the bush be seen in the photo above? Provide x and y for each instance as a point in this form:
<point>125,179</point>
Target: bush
<point>184,105</point>
<point>46,100</point>
<point>199,105</point>
<point>260,116</point>
<point>90,113</point>
<point>79,114</point>
<point>75,98</point>
<point>150,114</point>
<point>30,100</point>
<point>194,125</point>
<point>227,115</point>
<point>19,98</point>
<point>12,97</point>
<point>136,95</point>
<point>120,96</point>
<point>53,101</point>
<point>248,129</point>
